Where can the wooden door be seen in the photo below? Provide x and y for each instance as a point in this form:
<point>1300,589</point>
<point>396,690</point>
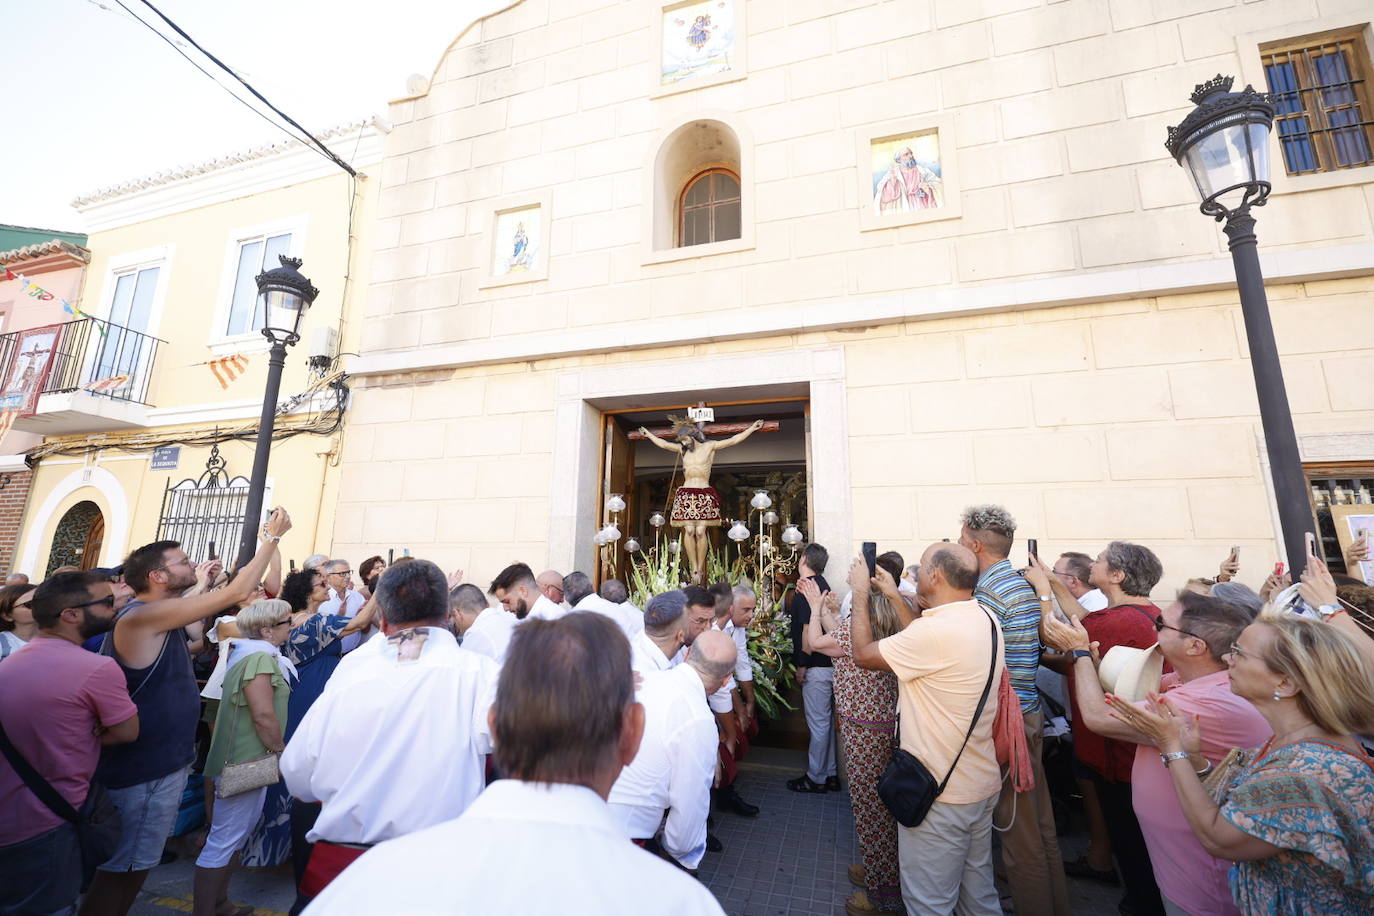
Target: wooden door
<point>618,476</point>
<point>95,539</point>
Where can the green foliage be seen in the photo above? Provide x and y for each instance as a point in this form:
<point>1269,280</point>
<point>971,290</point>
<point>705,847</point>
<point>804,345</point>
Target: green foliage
<point>770,635</point>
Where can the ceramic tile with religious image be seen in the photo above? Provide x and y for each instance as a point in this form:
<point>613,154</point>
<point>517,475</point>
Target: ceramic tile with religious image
<point>517,250</point>
<point>698,44</point>
<point>906,173</point>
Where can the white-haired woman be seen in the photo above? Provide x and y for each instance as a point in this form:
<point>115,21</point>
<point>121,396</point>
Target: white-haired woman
<point>249,725</point>
<point>1298,820</point>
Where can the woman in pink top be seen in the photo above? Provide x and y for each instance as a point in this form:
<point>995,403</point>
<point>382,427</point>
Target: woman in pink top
<point>1195,633</point>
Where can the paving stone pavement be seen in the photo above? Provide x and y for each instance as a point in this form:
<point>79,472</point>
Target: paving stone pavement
<point>788,861</point>
<point>791,859</point>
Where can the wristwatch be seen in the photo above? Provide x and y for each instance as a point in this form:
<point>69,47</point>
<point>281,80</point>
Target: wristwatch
<point>1173,755</point>
<point>1082,653</point>
<point>1329,610</point>
<point>1044,597</point>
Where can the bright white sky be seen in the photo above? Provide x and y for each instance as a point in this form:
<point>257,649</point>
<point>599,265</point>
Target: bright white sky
<point>94,98</point>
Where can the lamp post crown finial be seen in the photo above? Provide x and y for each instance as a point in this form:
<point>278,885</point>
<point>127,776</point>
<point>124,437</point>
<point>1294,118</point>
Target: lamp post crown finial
<point>1216,84</point>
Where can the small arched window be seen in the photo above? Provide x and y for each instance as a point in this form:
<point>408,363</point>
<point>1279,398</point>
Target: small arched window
<point>710,208</point>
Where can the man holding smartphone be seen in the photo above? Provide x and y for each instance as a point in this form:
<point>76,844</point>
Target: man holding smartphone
<point>1030,845</point>
<point>817,679</point>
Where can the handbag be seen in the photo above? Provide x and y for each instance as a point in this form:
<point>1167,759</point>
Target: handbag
<point>98,824</point>
<point>906,787</point>
<point>237,778</point>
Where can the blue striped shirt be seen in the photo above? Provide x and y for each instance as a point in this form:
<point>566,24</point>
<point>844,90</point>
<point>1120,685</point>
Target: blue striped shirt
<point>1008,596</point>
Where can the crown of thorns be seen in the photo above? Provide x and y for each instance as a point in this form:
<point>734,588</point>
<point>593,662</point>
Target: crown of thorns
<point>682,426</point>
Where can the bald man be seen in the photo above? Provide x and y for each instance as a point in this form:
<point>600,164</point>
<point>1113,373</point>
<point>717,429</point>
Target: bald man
<point>676,762</point>
<point>550,583</point>
<point>946,661</point>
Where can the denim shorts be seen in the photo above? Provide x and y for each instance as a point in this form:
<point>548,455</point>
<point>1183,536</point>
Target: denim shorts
<point>149,811</point>
<point>42,874</point>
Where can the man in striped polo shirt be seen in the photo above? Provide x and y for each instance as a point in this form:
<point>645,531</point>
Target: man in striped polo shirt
<point>1030,848</point>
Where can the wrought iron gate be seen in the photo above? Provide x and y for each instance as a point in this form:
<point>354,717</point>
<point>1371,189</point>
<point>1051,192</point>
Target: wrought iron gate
<point>204,512</point>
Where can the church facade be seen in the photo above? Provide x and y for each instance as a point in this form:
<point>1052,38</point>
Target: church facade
<point>940,240</point>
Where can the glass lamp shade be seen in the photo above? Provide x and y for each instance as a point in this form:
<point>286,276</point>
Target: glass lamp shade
<point>610,533</point>
<point>599,539</point>
<point>770,517</point>
<point>738,532</point>
<point>792,536</point>
<point>657,520</point>
<point>761,500</point>
<point>674,546</point>
<point>615,504</point>
<point>285,295</point>
<point>1224,145</point>
<point>632,545</point>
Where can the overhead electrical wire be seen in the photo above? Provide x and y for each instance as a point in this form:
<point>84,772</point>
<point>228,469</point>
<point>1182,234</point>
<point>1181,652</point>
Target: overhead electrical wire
<point>310,140</point>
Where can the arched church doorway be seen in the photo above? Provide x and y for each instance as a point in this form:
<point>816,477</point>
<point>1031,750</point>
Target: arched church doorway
<point>79,536</point>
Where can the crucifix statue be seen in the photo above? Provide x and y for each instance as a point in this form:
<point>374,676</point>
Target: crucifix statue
<point>696,504</point>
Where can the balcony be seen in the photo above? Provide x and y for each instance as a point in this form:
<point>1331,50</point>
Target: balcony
<point>96,379</point>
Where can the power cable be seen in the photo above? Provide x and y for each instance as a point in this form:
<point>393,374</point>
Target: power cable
<point>258,95</point>
<point>176,46</point>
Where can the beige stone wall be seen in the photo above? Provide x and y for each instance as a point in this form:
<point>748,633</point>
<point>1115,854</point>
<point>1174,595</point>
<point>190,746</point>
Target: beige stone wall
<point>1059,110</point>
<point>1127,420</point>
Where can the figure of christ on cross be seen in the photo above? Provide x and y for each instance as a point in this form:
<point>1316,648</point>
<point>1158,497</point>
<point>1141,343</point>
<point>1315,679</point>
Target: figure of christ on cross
<point>696,505</point>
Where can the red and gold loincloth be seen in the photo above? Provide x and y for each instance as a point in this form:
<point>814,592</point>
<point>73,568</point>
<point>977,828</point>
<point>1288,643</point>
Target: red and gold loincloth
<point>695,506</point>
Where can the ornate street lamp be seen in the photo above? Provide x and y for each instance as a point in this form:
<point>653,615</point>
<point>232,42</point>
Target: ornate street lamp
<point>1224,145</point>
<point>285,295</point>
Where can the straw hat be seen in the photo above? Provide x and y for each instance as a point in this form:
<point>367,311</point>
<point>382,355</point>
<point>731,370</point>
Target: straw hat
<point>1131,673</point>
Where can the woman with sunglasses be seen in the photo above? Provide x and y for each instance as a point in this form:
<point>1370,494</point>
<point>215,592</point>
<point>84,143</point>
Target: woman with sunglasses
<point>17,625</point>
<point>252,712</point>
<point>1298,819</point>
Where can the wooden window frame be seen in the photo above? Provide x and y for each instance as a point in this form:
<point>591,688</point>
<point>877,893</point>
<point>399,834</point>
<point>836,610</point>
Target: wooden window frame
<point>709,206</point>
<point>1297,51</point>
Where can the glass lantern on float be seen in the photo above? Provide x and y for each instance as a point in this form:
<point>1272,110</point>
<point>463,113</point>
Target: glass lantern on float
<point>632,545</point>
<point>792,536</point>
<point>738,532</point>
<point>761,500</point>
<point>770,518</point>
<point>616,503</point>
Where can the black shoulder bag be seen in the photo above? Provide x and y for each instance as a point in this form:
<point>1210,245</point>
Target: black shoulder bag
<point>906,787</point>
<point>98,825</point>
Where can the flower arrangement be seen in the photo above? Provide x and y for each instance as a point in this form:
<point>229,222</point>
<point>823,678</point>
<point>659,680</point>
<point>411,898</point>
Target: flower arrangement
<point>770,634</point>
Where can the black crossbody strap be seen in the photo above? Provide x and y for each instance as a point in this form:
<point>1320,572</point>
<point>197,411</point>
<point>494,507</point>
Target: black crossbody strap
<point>982,701</point>
<point>39,786</point>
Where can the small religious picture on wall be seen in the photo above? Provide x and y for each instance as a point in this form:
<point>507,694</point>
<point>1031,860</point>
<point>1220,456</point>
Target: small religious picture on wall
<point>907,174</point>
<point>698,40</point>
<point>518,242</point>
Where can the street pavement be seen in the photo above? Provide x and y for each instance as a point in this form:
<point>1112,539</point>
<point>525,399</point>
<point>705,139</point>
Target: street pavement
<point>788,861</point>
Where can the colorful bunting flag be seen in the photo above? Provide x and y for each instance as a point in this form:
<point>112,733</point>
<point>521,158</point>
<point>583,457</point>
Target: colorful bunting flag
<point>107,384</point>
<point>37,292</point>
<point>228,368</point>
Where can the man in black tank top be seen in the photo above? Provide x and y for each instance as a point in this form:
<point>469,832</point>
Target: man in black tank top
<point>146,777</point>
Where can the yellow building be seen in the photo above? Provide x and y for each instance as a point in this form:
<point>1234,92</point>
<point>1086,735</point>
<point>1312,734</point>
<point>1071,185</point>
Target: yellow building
<point>151,409</point>
<point>939,241</point>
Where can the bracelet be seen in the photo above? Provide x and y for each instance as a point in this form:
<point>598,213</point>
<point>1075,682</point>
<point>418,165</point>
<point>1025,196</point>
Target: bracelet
<point>1171,756</point>
<point>271,538</point>
<point>1044,597</point>
<point>1205,770</point>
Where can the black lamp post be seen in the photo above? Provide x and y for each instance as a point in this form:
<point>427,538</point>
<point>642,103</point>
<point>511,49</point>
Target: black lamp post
<point>1224,144</point>
<point>283,296</point>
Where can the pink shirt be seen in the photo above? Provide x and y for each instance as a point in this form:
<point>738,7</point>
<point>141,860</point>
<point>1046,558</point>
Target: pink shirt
<point>53,695</point>
<point>1186,873</point>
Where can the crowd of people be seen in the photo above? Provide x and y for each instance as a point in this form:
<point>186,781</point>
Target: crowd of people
<point>417,743</point>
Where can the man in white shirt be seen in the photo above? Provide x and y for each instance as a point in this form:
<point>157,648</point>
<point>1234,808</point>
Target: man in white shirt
<point>565,723</point>
<point>578,591</point>
<point>1073,569</point>
<point>676,762</point>
<point>518,593</point>
<point>485,630</point>
<point>550,583</point>
<point>614,591</point>
<point>739,715</point>
<point>343,600</point>
<point>667,628</point>
<point>398,739</point>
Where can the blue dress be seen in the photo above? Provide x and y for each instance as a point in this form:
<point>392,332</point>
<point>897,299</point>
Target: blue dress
<point>315,649</point>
